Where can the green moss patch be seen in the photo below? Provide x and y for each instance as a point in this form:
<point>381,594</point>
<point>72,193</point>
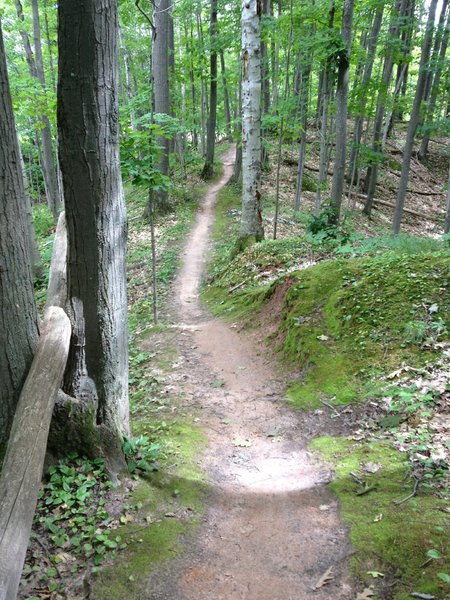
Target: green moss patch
<point>165,507</point>
<point>342,320</point>
<point>405,544</point>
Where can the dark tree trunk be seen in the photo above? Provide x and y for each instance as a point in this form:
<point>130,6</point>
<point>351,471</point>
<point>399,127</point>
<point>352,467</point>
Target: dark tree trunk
<point>18,315</point>
<point>372,172</point>
<point>96,378</point>
<point>414,118</point>
<point>337,188</point>
<point>208,169</point>
<point>438,67</point>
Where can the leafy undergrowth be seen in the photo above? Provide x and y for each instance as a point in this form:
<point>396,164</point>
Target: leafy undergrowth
<point>401,544</point>
<point>366,321</point>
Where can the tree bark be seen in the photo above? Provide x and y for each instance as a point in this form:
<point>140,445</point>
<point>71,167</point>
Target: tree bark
<point>226,97</point>
<point>423,150</point>
<point>414,118</point>
<point>18,315</point>
<point>372,172</point>
<point>337,187</point>
<point>97,372</point>
<point>161,95</point>
<point>208,169</point>
<point>251,219</point>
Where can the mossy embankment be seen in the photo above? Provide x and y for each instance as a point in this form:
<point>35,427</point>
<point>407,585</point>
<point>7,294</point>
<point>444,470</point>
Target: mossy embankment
<point>342,318</point>
<point>343,314</point>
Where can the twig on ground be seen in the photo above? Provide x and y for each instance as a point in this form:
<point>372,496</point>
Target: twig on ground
<point>236,287</point>
<point>409,496</point>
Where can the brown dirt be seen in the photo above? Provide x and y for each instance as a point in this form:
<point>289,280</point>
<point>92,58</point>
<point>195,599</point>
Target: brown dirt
<point>271,527</point>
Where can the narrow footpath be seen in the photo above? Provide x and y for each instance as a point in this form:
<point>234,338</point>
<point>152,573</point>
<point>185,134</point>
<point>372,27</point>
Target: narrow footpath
<point>271,527</point>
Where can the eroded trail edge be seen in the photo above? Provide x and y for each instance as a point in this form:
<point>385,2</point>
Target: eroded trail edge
<point>271,528</point>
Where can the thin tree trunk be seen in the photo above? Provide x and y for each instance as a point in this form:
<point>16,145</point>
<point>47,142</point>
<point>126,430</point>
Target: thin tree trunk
<point>226,98</point>
<point>337,187</point>
<point>447,212</point>
<point>251,229</point>
<point>204,99</point>
<point>18,314</point>
<point>365,81</point>
<point>48,163</point>
<point>423,151</point>
<point>414,118</point>
<point>208,169</point>
<point>161,96</point>
<point>36,69</point>
<point>372,172</point>
<point>304,98</point>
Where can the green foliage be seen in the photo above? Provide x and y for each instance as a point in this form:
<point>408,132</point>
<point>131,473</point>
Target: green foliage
<point>141,454</point>
<point>72,508</point>
<point>44,222</point>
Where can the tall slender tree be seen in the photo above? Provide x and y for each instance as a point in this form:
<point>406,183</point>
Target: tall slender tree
<point>414,118</point>
<point>208,169</point>
<point>251,229</point>
<point>337,188</point>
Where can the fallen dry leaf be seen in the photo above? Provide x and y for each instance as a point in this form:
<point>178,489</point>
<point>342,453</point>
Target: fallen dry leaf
<point>326,578</point>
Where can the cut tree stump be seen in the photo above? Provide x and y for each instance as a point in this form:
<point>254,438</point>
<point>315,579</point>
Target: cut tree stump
<point>22,468</point>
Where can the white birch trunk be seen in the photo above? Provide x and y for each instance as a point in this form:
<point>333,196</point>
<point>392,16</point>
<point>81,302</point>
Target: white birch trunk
<point>251,220</point>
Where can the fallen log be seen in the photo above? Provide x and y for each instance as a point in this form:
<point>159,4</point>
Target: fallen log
<point>22,468</point>
<point>391,205</point>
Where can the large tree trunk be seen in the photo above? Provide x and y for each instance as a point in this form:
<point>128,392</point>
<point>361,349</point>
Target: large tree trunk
<point>208,169</point>
<point>251,219</point>
<point>97,373</point>
<point>337,187</point>
<point>414,118</point>
<point>18,315</point>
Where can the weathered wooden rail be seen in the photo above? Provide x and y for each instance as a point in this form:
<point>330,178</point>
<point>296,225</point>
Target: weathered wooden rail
<point>21,473</point>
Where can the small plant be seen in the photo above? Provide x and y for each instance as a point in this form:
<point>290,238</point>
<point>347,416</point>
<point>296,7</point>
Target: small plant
<point>71,508</point>
<point>141,454</point>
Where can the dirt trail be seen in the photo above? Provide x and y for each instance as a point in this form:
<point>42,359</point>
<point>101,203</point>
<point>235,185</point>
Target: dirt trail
<point>271,528</point>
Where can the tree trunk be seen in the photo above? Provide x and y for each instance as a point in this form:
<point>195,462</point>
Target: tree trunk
<point>414,118</point>
<point>365,81</point>
<point>18,315</point>
<point>304,97</point>
<point>423,151</point>
<point>97,373</point>
<point>372,172</point>
<point>208,169</point>
<point>447,212</point>
<point>251,229</point>
<point>226,98</point>
<point>161,95</point>
<point>337,187</point>
<point>54,199</point>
